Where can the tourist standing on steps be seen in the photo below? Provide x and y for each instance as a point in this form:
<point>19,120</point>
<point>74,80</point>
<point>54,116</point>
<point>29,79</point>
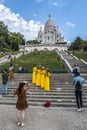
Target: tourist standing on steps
<point>4,82</point>
<point>11,72</point>
<point>78,81</point>
<point>76,69</point>
<point>21,104</point>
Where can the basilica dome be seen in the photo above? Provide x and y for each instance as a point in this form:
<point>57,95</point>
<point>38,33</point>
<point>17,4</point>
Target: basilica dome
<point>40,32</point>
<point>49,23</point>
<point>50,34</point>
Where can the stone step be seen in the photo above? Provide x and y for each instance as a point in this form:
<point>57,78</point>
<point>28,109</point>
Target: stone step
<point>54,103</point>
<point>61,93</point>
<point>52,91</point>
<point>48,93</point>
<point>56,98</point>
<point>58,78</point>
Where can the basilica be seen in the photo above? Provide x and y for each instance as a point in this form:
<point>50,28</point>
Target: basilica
<point>48,37</point>
<point>50,34</point>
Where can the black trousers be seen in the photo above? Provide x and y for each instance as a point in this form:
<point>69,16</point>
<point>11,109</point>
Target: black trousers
<point>78,95</point>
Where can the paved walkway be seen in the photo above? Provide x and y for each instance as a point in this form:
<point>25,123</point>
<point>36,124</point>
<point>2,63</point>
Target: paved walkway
<point>5,59</point>
<point>40,118</point>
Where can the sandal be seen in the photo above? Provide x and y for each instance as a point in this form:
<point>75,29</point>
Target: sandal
<point>22,125</point>
<point>19,123</point>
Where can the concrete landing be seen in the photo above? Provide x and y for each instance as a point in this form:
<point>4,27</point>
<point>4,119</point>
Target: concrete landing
<point>40,118</point>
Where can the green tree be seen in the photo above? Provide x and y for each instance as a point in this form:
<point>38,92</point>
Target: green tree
<point>33,42</point>
<point>77,44</point>
<point>9,40</point>
<point>85,46</point>
<point>15,39</point>
<point>61,43</point>
<point>4,33</point>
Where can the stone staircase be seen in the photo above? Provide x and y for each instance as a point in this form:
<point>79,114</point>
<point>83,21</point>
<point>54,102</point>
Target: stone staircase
<point>60,95</point>
<point>72,60</point>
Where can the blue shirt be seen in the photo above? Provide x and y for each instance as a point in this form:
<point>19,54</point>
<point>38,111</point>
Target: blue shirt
<point>80,79</point>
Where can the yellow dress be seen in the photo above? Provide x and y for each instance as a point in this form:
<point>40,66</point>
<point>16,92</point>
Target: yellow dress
<point>43,73</point>
<point>47,82</point>
<point>34,75</point>
<point>38,80</point>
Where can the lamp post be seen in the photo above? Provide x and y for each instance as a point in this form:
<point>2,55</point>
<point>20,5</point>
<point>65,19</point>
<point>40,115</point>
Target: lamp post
<point>73,50</point>
<point>25,46</point>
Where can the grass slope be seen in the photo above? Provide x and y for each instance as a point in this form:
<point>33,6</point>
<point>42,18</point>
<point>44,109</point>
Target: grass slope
<point>48,59</point>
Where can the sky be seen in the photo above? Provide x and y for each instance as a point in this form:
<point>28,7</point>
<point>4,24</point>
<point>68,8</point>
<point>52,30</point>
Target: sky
<point>27,16</point>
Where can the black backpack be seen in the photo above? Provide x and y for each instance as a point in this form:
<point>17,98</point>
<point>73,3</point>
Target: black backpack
<point>78,86</point>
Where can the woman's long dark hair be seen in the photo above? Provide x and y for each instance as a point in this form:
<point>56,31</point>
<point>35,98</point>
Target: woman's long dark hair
<point>21,85</point>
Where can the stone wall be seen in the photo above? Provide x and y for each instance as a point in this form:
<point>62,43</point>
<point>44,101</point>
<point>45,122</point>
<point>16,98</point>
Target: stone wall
<point>30,48</point>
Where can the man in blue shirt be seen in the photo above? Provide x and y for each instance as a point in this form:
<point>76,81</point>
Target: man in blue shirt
<point>78,91</point>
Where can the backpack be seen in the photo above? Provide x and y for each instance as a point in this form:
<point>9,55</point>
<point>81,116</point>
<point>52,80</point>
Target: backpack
<point>78,86</point>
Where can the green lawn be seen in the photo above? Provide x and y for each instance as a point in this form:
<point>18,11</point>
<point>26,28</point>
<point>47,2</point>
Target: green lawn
<point>81,55</point>
<point>48,59</point>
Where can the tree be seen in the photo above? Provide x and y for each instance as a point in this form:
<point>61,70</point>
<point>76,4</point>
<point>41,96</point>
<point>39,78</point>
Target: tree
<point>85,46</point>
<point>4,33</point>
<point>77,44</point>
<point>61,43</point>
<point>9,40</point>
<point>15,39</point>
<point>31,42</point>
<point>21,36</point>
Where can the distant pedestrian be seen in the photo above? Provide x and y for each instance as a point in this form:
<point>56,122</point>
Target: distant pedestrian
<point>11,72</point>
<point>21,104</point>
<point>78,81</point>
<point>9,56</point>
<point>4,82</point>
<point>76,69</point>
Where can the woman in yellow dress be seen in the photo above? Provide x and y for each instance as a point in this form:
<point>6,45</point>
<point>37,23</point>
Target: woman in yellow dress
<point>38,80</point>
<point>34,74</point>
<point>43,73</point>
<point>47,80</point>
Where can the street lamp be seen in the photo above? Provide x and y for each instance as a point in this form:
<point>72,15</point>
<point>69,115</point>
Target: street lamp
<point>73,50</point>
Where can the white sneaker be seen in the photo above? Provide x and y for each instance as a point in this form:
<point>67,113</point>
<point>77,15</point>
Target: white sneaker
<point>78,110</point>
<point>81,109</point>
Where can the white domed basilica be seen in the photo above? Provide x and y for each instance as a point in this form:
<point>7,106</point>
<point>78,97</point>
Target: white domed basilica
<point>50,34</point>
<point>48,37</point>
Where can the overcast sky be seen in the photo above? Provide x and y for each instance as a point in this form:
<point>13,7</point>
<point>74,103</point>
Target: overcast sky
<point>26,16</point>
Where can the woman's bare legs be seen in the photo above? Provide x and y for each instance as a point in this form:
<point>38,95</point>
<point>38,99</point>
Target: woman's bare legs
<point>18,116</point>
<point>23,117</point>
